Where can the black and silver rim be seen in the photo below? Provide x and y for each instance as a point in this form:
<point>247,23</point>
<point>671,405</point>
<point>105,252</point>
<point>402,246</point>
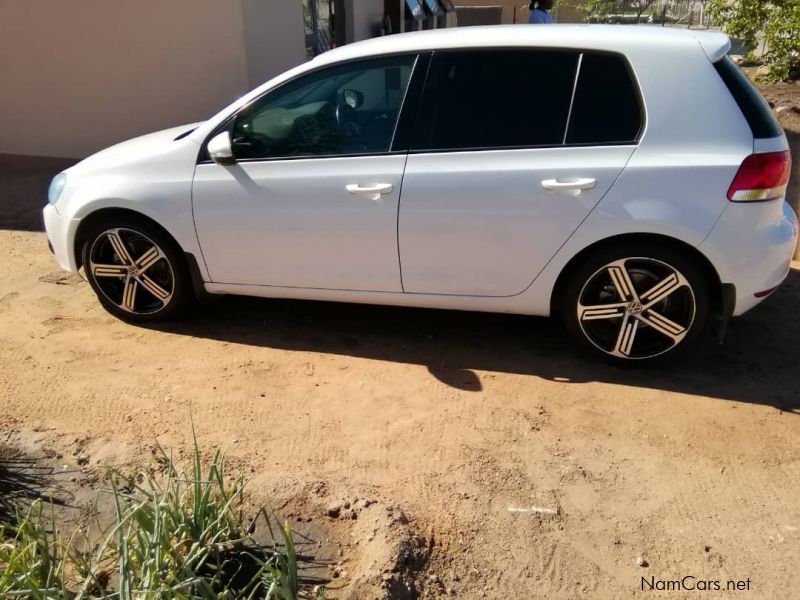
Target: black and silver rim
<point>131,271</point>
<point>636,308</point>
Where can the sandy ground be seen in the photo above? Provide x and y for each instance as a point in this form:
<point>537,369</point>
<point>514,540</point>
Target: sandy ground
<point>446,419</point>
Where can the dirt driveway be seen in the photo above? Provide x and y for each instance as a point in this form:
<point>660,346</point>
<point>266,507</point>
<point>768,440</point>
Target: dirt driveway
<point>452,418</point>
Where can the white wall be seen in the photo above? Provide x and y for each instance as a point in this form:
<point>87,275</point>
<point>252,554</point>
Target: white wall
<point>79,75</point>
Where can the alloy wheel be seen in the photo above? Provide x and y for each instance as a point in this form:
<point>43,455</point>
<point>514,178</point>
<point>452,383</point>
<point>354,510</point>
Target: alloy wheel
<point>131,271</point>
<point>636,308</point>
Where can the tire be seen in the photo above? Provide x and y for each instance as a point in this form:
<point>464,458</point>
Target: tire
<point>136,269</point>
<point>636,304</point>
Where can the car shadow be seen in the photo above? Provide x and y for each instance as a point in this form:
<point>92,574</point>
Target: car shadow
<point>23,189</point>
<point>757,364</point>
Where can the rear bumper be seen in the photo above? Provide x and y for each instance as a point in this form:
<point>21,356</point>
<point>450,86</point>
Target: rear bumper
<point>752,247</point>
<point>61,238</point>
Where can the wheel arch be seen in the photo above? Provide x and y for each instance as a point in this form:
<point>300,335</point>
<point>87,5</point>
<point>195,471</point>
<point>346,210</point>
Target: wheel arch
<point>687,250</point>
<point>107,213</point>
<point>190,260</point>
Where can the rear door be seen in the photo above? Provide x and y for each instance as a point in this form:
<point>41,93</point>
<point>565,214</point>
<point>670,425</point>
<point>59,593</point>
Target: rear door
<point>513,149</point>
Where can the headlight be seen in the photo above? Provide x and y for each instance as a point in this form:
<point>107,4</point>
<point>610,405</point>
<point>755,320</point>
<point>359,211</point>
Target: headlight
<point>56,187</point>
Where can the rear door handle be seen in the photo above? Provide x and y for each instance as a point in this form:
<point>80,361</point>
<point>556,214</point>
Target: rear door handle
<point>570,183</point>
<point>373,191</point>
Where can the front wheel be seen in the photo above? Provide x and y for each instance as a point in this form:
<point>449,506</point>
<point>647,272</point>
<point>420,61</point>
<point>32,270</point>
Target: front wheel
<point>636,304</point>
<point>136,270</point>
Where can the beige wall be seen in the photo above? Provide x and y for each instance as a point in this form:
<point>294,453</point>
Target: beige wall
<point>274,37</point>
<point>363,19</point>
<point>78,75</point>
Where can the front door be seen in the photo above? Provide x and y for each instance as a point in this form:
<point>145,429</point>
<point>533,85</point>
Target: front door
<point>312,199</point>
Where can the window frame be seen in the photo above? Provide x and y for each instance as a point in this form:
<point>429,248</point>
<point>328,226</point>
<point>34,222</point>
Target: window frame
<point>424,123</point>
<point>419,69</point>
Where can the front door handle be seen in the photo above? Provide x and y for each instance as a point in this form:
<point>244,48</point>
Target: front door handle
<point>569,184</point>
<point>373,191</point>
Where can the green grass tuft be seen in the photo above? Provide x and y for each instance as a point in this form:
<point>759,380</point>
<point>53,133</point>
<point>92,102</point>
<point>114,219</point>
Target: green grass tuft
<point>185,537</point>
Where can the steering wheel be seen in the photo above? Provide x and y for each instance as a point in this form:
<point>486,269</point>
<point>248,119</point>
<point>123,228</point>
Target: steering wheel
<point>346,117</point>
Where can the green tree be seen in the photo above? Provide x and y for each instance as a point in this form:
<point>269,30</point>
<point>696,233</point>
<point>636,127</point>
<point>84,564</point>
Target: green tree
<point>597,11</point>
<point>639,6</point>
<point>783,41</point>
<point>777,22</point>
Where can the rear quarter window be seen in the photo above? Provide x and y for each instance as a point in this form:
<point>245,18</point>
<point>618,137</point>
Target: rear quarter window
<point>755,109</point>
<point>606,108</point>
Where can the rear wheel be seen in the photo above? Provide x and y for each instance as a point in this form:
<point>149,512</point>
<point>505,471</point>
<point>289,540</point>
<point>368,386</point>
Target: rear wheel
<point>637,304</point>
<point>135,269</point>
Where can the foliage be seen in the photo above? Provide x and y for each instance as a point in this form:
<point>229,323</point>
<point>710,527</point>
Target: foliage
<point>185,538</point>
<point>783,41</point>
<point>744,19</point>
<point>596,11</point>
<point>638,6</point>
<point>777,21</point>
<point>31,558</point>
<point>750,59</point>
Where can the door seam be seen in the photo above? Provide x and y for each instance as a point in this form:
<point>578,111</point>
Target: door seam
<point>397,225</point>
<point>194,224</point>
<point>574,231</point>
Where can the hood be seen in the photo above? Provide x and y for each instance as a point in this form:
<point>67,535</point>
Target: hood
<point>139,149</point>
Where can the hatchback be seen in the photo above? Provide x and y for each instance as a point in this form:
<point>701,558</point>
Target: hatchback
<point>629,179</point>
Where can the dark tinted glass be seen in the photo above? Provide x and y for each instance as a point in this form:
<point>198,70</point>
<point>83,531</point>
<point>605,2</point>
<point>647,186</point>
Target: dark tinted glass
<point>496,98</point>
<point>753,106</point>
<point>346,109</point>
<point>606,108</point>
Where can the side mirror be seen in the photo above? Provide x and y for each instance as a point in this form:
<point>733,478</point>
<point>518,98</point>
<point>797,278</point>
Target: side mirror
<point>219,149</point>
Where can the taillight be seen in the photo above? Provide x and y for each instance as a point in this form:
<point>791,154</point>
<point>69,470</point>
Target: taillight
<point>761,177</point>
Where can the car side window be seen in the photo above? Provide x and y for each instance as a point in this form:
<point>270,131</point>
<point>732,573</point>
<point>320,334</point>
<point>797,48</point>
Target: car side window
<point>345,109</point>
<point>496,99</point>
<point>606,108</point>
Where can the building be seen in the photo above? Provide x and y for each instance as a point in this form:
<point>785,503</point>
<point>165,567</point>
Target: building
<point>81,75</point>
<point>495,12</point>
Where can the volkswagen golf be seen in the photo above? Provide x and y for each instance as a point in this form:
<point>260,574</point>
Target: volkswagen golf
<point>629,180</point>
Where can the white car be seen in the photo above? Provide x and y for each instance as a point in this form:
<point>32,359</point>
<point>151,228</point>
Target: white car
<point>629,179</point>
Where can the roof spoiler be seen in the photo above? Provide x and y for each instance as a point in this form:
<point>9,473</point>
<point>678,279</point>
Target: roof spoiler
<point>715,45</point>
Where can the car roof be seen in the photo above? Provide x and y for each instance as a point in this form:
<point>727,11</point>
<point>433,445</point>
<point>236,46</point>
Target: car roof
<point>640,43</point>
<point>619,38</point>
